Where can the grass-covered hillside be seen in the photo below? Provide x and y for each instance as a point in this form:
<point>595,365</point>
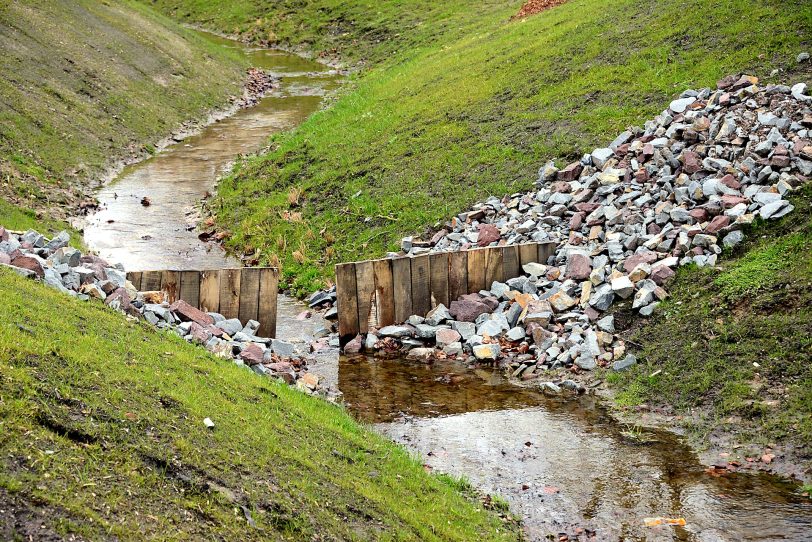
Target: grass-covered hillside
<point>102,438</point>
<point>474,107</point>
<point>85,83</point>
<point>734,345</point>
<point>351,33</point>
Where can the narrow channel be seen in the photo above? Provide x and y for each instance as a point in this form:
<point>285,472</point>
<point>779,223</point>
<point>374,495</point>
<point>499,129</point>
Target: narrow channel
<point>563,464</point>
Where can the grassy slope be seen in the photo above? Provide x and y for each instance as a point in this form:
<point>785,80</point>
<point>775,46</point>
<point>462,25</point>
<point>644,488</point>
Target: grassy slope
<point>82,83</point>
<point>717,324</point>
<point>477,107</point>
<point>354,33</point>
<point>101,434</point>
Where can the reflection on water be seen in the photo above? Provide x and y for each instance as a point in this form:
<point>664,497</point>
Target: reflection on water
<point>565,464</point>
<point>175,180</point>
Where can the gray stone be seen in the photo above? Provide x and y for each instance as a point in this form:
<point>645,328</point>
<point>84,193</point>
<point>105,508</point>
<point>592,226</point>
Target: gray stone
<point>776,209</point>
<point>424,331</point>
<point>283,349</point>
<point>586,361</point>
<point>516,334</point>
<point>465,329</point>
<point>438,315</point>
<point>369,342</point>
<point>395,331</point>
<point>623,287</point>
<point>601,156</point>
<point>602,298</point>
<point>681,104</point>
<point>607,324</point>
<point>625,363</point>
<point>535,269</point>
<point>499,289</point>
<point>230,327</point>
<point>733,238</point>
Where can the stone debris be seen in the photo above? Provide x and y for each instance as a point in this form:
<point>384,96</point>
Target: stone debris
<point>624,218</point>
<point>86,276</point>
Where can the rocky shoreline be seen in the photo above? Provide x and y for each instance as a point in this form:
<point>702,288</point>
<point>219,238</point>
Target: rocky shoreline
<point>88,277</point>
<point>676,192</point>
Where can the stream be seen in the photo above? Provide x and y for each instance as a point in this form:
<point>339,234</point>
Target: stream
<point>562,464</point>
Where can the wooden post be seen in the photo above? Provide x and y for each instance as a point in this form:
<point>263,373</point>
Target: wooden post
<point>421,285</point>
<point>510,257</point>
<point>384,292</point>
<point>438,265</point>
<point>230,293</point>
<point>457,275</point>
<point>346,293</point>
<point>528,253</point>
<point>190,287</point>
<point>170,285</point>
<point>365,286</point>
<point>476,270</point>
<point>210,291</point>
<point>135,279</point>
<point>402,280</point>
<point>150,281</point>
<point>494,266</point>
<point>249,294</point>
<point>266,306</point>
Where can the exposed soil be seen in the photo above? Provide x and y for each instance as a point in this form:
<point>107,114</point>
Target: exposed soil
<point>532,7</point>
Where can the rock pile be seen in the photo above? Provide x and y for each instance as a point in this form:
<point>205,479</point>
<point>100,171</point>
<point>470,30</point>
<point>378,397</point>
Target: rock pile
<point>675,192</point>
<point>86,276</point>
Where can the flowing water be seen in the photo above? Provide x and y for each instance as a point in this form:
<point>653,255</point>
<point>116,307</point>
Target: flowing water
<point>157,236</point>
<point>562,465</point>
<point>565,464</point>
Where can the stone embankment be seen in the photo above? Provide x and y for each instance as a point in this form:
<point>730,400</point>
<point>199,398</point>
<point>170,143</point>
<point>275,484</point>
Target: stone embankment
<point>675,192</point>
<point>88,277</point>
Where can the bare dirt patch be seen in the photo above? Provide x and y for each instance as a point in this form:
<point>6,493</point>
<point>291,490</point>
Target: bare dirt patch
<point>532,7</point>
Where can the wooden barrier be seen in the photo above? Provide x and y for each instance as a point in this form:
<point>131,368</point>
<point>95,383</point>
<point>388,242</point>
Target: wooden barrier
<point>377,293</point>
<point>247,293</point>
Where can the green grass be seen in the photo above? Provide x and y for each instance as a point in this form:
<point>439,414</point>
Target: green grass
<point>102,435</point>
<point>85,83</point>
<point>706,339</point>
<point>468,105</point>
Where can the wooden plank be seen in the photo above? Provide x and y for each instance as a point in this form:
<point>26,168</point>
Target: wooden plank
<point>421,285</point>
<point>402,281</point>
<point>494,267</point>
<point>190,287</point>
<point>150,281</point>
<point>476,270</point>
<point>365,288</point>
<point>266,306</point>
<point>384,292</point>
<point>438,265</point>
<point>249,294</point>
<point>528,253</point>
<point>510,257</point>
<point>230,293</point>
<point>545,250</point>
<point>170,285</point>
<point>210,291</point>
<point>457,275</point>
<point>347,300</point>
<point>135,278</point>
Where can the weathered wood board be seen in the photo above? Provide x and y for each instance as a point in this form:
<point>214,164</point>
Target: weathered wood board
<point>248,293</point>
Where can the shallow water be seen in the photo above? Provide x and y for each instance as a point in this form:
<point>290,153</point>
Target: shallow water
<point>564,464</point>
<point>175,180</point>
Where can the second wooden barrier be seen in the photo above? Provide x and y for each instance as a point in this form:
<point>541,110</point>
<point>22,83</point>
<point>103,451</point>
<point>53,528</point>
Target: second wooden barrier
<point>247,293</point>
<point>377,293</point>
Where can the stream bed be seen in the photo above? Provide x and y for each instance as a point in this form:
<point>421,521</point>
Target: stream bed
<point>562,465</point>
